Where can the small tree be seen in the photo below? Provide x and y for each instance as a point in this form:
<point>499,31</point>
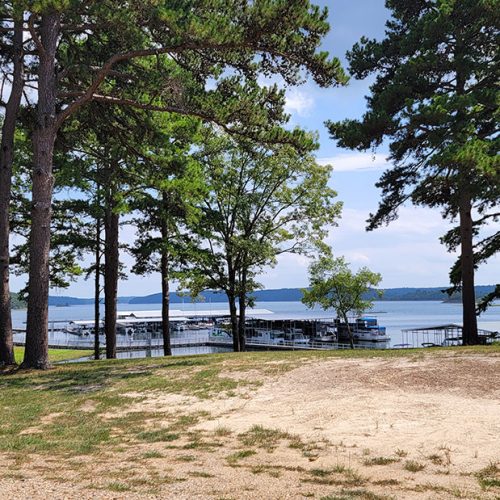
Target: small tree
<point>334,286</point>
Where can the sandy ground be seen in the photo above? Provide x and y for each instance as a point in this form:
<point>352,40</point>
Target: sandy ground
<point>442,413</point>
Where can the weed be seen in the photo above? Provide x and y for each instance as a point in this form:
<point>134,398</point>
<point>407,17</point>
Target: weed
<point>186,458</point>
<point>380,461</point>
<point>152,454</point>
<point>262,437</point>
<point>200,474</point>
<point>222,431</point>
<point>232,459</point>
<point>489,476</point>
<point>413,466</point>
<point>386,482</point>
<point>118,487</point>
<point>435,459</point>
<point>160,435</point>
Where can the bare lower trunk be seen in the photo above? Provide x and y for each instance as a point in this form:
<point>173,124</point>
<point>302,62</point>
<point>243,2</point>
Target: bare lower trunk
<point>165,304</point>
<point>234,321</point>
<point>111,262</point>
<point>470,333</point>
<point>6,159</point>
<point>97,289</point>
<point>349,331</point>
<point>36,352</point>
<point>241,323</point>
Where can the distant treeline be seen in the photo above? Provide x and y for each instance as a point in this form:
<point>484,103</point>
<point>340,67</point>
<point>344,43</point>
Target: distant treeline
<point>279,295</point>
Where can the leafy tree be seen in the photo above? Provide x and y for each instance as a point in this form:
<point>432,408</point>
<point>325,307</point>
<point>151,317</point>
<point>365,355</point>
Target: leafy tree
<point>261,202</point>
<point>223,47</point>
<point>435,99</point>
<point>334,286</point>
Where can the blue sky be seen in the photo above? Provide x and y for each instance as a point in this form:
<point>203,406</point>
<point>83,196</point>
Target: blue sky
<point>406,253</point>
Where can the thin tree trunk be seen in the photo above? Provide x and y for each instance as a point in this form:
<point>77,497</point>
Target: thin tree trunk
<point>234,321</point>
<point>6,160</point>
<point>470,333</point>
<point>349,331</point>
<point>165,304</point>
<point>36,352</point>
<point>165,277</point>
<point>241,322</point>
<point>97,289</point>
<point>111,263</point>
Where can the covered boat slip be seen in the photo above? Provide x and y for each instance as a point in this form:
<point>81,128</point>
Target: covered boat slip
<point>441,335</point>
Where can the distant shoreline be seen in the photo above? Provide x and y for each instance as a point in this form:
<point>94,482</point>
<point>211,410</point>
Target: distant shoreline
<point>436,294</point>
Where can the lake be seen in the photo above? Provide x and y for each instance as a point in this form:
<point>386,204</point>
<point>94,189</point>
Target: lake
<point>393,315</point>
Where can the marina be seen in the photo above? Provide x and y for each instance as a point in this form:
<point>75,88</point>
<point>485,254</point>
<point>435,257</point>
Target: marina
<point>197,329</point>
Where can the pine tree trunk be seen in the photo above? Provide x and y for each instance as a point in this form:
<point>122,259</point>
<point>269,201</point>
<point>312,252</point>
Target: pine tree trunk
<point>165,304</point>
<point>6,160</point>
<point>36,352</point>
<point>97,289</point>
<point>165,276</point>
<point>111,263</point>
<point>470,333</point>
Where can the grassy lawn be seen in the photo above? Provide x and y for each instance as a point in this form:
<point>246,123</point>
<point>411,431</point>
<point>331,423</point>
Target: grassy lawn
<point>42,411</point>
<point>79,410</point>
<point>55,354</point>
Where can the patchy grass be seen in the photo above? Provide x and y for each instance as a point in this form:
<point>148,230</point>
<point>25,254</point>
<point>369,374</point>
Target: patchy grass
<point>489,477</point>
<point>56,355</point>
<point>380,461</point>
<point>152,454</point>
<point>413,466</point>
<point>106,409</point>
<point>261,437</point>
<point>118,487</point>
<point>359,494</point>
<point>239,455</point>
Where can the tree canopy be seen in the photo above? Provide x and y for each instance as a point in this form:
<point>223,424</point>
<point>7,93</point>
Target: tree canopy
<point>435,100</point>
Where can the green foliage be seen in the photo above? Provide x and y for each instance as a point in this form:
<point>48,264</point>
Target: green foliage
<point>16,301</point>
<point>261,202</point>
<point>334,286</point>
<point>435,100</point>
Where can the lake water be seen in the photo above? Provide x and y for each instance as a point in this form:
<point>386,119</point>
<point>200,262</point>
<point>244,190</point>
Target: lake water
<point>395,316</point>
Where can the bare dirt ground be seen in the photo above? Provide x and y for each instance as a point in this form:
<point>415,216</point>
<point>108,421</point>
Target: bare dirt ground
<point>403,428</point>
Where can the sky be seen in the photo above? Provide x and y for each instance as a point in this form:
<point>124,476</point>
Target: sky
<point>408,252</point>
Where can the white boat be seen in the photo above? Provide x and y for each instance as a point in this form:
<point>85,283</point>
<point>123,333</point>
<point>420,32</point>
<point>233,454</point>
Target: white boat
<point>326,333</point>
<point>365,328</point>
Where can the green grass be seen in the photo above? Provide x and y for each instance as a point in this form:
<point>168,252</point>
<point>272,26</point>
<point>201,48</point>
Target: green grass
<point>56,355</point>
<point>489,476</point>
<point>239,455</point>
<point>80,408</point>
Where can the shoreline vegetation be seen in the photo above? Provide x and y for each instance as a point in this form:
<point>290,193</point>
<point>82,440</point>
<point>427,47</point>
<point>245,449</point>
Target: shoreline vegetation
<point>16,302</point>
<point>271,295</point>
<point>256,425</point>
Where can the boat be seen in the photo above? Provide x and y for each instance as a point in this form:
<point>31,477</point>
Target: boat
<point>365,328</point>
<point>326,333</point>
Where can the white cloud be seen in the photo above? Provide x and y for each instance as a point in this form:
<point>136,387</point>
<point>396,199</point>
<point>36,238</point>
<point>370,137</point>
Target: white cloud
<point>298,102</point>
<point>349,162</point>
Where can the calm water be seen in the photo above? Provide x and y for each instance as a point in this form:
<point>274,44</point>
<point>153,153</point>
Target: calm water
<point>393,315</point>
